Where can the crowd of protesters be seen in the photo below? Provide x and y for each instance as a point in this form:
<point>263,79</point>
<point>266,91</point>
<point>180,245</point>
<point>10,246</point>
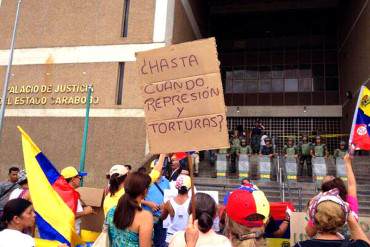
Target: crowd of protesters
<point>136,213</point>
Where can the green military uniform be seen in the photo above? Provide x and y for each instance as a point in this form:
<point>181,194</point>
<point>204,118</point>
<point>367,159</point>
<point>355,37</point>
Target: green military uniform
<point>320,150</point>
<point>245,150</point>
<point>290,150</point>
<point>305,149</point>
<point>235,144</point>
<point>340,153</point>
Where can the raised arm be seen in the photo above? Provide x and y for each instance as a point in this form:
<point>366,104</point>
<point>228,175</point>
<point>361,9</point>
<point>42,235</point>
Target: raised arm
<point>356,232</point>
<point>352,186</point>
<point>155,174</point>
<point>158,167</point>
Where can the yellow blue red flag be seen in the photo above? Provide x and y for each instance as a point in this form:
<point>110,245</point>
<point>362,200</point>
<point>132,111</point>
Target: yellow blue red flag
<point>53,199</point>
<point>360,133</point>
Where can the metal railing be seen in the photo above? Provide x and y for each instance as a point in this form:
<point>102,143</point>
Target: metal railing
<point>283,179</point>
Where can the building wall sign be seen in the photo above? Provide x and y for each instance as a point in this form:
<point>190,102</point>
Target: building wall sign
<point>49,94</point>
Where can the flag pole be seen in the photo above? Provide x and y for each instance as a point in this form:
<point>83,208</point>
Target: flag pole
<point>191,171</point>
<point>9,68</point>
<point>355,117</point>
<point>86,128</point>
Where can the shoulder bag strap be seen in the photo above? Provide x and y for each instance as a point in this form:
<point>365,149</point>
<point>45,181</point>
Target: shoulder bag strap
<point>159,188</point>
<point>7,191</point>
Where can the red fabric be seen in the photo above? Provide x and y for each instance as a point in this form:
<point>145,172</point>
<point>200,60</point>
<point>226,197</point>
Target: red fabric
<point>181,155</point>
<point>69,195</point>
<point>361,138</point>
<point>278,209</point>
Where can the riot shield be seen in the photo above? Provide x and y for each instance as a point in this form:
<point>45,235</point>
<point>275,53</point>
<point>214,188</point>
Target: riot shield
<point>340,168</point>
<point>264,167</point>
<point>291,167</point>
<point>243,166</point>
<point>319,168</point>
<point>221,165</point>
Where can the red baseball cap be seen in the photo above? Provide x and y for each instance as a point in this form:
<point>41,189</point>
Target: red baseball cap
<point>248,207</point>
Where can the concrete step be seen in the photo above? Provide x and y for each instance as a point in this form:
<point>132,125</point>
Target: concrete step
<point>361,167</point>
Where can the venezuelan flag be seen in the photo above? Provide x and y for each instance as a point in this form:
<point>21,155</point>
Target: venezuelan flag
<point>360,132</point>
<point>54,200</point>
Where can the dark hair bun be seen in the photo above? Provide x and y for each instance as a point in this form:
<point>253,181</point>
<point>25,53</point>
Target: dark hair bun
<point>183,190</point>
<point>205,222</point>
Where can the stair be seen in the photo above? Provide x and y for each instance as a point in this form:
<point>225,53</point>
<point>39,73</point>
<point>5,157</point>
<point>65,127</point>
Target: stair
<point>361,167</point>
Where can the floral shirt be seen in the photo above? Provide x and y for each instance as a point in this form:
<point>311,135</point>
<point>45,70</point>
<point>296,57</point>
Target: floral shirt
<point>119,237</point>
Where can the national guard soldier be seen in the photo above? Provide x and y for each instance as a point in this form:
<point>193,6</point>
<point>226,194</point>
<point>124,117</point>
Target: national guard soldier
<point>244,148</point>
<point>304,151</point>
<point>341,151</point>
<point>290,149</point>
<point>235,145</point>
<point>269,150</point>
<point>319,149</point>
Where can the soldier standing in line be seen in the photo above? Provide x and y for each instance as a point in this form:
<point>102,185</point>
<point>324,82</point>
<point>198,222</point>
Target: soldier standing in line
<point>290,149</point>
<point>319,149</point>
<point>269,150</point>
<point>304,151</point>
<point>235,145</point>
<point>341,151</point>
<point>244,148</point>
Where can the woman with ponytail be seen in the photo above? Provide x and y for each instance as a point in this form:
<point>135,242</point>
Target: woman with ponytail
<point>128,224</point>
<point>117,176</point>
<point>18,216</point>
<point>205,212</point>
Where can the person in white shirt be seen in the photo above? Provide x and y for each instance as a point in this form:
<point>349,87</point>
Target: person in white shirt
<point>23,191</point>
<point>205,213</point>
<point>175,211</point>
<point>263,137</point>
<point>18,216</point>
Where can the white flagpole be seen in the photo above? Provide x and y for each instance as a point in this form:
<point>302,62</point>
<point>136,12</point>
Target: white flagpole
<point>8,70</point>
<point>355,116</point>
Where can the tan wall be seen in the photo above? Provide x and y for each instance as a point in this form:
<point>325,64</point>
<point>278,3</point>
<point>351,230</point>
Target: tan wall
<point>110,140</point>
<point>103,76</point>
<point>354,59</point>
<point>53,23</point>
<point>182,30</point>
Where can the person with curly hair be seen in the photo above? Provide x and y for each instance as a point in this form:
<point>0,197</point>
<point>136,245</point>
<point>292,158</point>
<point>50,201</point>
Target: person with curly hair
<point>329,213</point>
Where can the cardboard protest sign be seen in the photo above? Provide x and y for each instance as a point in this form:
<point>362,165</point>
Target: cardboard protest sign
<point>298,222</point>
<point>183,97</point>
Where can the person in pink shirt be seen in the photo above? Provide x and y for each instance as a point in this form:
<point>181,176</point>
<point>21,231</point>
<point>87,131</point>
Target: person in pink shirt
<point>348,194</point>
